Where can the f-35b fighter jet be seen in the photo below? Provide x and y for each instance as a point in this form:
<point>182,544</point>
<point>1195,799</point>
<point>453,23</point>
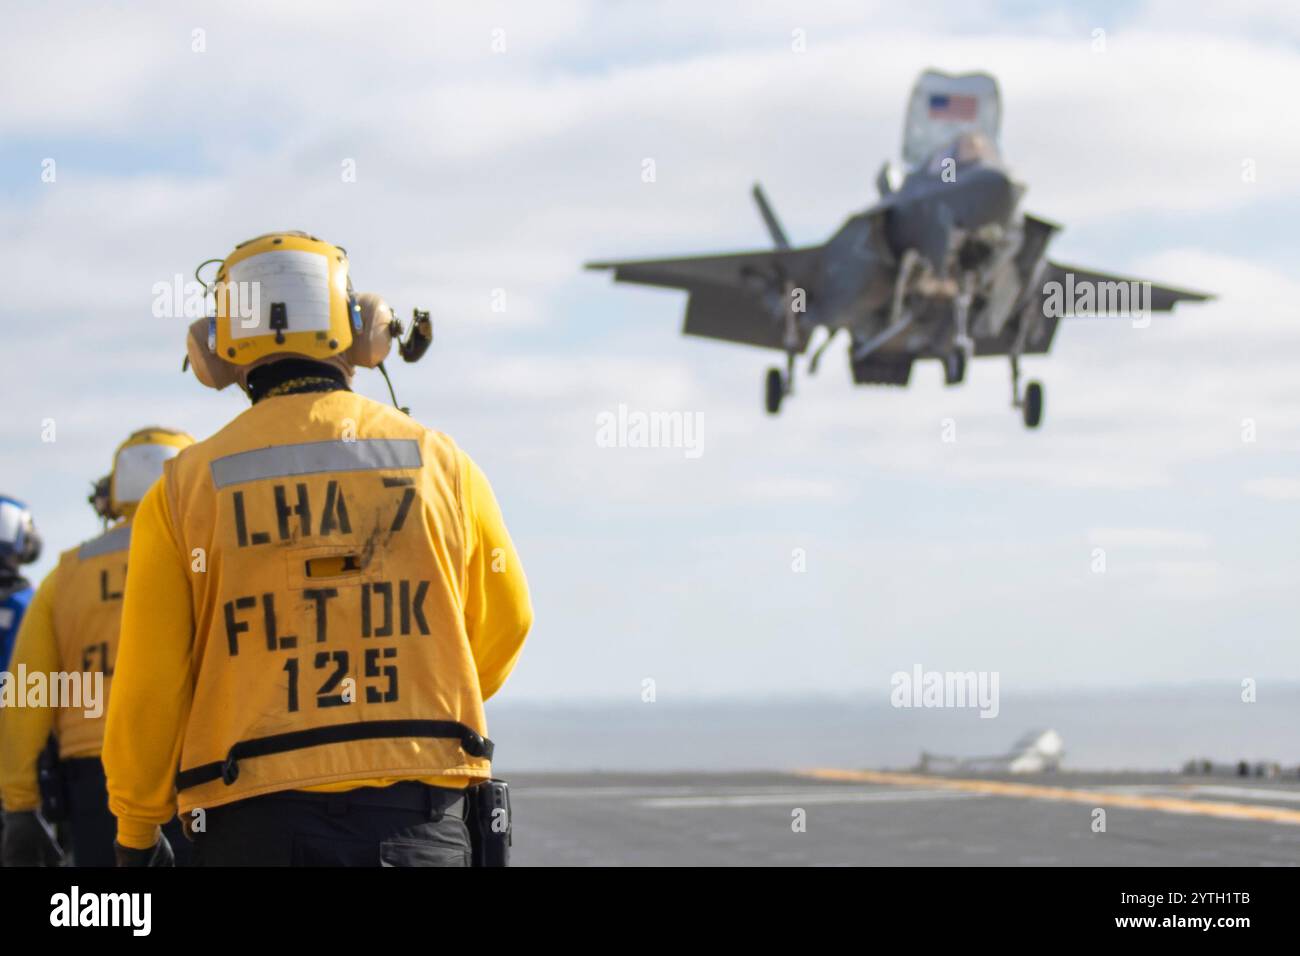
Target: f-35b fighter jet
<point>943,267</point>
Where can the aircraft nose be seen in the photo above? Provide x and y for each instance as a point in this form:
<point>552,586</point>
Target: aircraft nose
<point>999,194</point>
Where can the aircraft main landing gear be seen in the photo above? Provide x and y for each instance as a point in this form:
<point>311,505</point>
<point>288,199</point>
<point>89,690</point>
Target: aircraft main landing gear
<point>1031,405</point>
<point>778,386</point>
<point>775,390</point>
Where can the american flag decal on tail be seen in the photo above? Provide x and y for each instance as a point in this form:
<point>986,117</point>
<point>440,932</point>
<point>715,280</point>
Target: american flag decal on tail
<point>946,106</point>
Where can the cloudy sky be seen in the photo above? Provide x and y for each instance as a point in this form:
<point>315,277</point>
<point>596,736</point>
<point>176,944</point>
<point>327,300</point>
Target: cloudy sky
<point>497,148</point>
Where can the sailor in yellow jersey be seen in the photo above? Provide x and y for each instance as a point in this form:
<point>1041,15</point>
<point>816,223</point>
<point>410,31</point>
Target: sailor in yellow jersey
<point>67,645</point>
<point>320,598</point>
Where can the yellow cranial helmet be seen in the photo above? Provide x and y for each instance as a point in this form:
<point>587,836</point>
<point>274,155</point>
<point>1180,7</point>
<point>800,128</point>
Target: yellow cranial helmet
<point>284,292</point>
<point>138,463</point>
<point>289,294</point>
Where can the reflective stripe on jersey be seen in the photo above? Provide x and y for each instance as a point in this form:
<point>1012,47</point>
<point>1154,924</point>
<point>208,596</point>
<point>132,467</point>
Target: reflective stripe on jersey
<point>110,542</point>
<point>310,458</point>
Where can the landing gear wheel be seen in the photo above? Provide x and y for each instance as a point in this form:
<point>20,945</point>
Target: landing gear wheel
<point>1033,405</point>
<point>954,367</point>
<point>775,390</point>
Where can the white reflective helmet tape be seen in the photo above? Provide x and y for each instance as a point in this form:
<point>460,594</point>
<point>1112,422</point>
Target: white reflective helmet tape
<point>300,280</point>
<point>12,524</point>
<point>138,467</point>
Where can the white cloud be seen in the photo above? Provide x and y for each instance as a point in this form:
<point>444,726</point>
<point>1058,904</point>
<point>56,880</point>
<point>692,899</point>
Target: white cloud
<point>1149,538</point>
<point>1274,489</point>
<point>778,489</point>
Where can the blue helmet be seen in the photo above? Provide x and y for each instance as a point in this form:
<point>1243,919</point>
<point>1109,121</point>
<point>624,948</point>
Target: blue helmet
<point>19,542</point>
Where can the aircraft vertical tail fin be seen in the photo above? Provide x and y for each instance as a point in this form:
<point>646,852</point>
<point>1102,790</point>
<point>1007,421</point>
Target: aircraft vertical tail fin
<point>770,220</point>
<point>885,180</point>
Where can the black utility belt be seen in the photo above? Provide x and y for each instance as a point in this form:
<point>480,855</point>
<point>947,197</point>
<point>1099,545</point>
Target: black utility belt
<point>227,771</point>
<point>403,795</point>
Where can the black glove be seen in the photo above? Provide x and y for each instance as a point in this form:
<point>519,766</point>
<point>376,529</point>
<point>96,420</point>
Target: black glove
<point>160,854</point>
<point>29,841</point>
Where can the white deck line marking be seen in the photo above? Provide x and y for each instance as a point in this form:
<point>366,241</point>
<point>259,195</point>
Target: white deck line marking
<point>820,797</point>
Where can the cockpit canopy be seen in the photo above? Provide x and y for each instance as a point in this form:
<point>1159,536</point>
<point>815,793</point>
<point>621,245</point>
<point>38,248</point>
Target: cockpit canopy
<point>943,107</point>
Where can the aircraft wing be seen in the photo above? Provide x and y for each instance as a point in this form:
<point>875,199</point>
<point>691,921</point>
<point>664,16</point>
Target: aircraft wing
<point>1042,326</point>
<point>1163,297</point>
<point>733,270</point>
<point>734,297</point>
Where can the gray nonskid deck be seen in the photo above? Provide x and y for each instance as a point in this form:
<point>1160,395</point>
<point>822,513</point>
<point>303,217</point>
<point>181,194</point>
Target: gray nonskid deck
<point>746,819</point>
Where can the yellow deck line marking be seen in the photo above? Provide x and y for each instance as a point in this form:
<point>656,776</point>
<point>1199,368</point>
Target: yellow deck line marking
<point>1099,798</point>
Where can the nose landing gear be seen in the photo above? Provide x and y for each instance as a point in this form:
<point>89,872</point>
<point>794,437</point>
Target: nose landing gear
<point>954,367</point>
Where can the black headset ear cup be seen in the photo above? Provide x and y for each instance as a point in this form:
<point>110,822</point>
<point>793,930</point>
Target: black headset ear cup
<point>31,547</point>
<point>99,496</point>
